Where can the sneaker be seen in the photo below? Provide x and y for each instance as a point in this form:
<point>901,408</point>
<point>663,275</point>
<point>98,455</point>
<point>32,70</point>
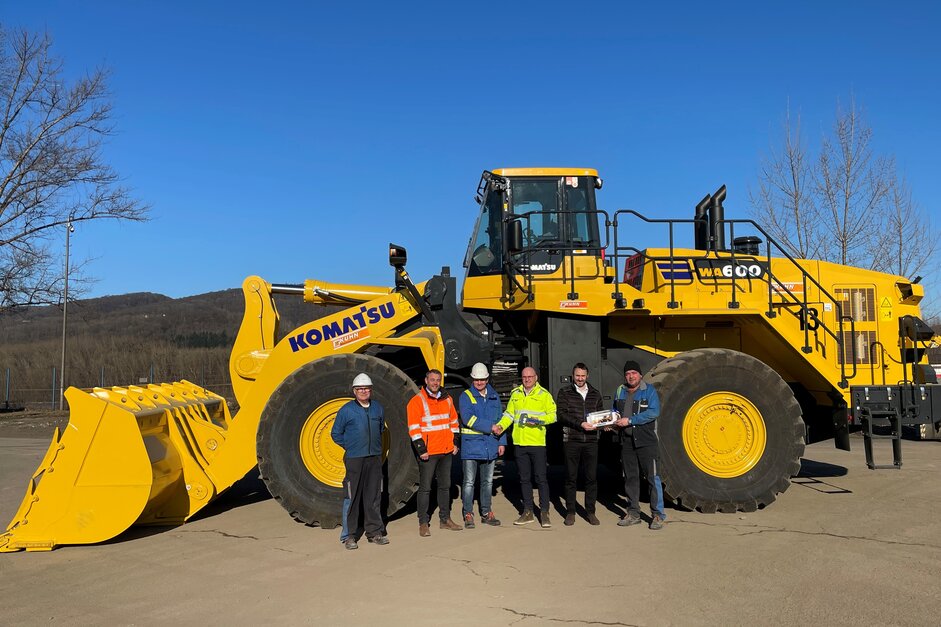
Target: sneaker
<point>628,520</point>
<point>544,520</point>
<point>490,519</point>
<point>526,518</point>
<point>380,540</point>
<point>569,520</point>
<point>469,521</point>
<point>423,530</point>
<point>450,525</point>
<point>350,544</point>
<point>592,519</point>
<point>656,523</point>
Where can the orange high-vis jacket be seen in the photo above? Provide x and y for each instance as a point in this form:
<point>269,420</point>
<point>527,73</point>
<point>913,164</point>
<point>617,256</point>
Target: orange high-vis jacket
<point>434,420</point>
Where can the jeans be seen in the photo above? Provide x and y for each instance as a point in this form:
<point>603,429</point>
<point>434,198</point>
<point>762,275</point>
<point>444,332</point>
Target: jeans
<point>531,462</point>
<point>582,455</point>
<point>471,468</point>
<point>438,468</point>
<point>345,531</point>
<point>637,461</point>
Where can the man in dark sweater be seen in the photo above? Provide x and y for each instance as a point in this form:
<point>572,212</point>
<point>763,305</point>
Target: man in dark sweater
<point>574,402</point>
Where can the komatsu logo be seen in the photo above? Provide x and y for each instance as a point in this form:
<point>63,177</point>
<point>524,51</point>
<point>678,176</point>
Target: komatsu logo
<point>540,267</point>
<point>349,329</point>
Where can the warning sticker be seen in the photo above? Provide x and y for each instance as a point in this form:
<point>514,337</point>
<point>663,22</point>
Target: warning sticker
<point>885,304</point>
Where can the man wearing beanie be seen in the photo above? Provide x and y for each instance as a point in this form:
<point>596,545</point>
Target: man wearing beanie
<point>639,407</point>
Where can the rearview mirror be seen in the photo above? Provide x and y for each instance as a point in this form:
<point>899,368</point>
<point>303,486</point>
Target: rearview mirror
<point>397,256</point>
<point>514,236</point>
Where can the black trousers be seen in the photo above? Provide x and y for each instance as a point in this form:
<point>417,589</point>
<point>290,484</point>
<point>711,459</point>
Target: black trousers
<point>363,485</point>
<point>584,456</point>
<point>531,462</point>
<point>437,468</point>
<point>637,461</point>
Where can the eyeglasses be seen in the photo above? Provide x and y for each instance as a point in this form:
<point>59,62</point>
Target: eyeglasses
<point>362,389</point>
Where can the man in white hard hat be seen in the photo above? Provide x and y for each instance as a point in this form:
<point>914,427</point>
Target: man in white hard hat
<point>480,410</point>
<point>358,430</point>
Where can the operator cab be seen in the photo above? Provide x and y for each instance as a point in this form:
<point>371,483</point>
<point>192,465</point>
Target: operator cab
<point>552,208</point>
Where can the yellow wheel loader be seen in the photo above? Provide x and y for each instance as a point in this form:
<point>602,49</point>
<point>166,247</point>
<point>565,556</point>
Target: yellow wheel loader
<point>751,350</point>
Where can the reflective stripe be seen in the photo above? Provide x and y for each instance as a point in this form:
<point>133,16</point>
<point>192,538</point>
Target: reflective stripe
<point>470,395</point>
<point>472,432</point>
<point>473,419</point>
<point>429,419</point>
<point>436,428</point>
<point>417,436</point>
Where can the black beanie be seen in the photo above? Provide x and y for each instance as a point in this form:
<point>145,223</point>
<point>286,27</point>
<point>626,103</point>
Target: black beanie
<point>632,365</point>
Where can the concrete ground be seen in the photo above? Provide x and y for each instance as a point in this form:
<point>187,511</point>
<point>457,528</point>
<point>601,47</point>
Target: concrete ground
<point>843,546</point>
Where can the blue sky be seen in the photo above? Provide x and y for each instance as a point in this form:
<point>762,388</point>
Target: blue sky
<point>295,140</point>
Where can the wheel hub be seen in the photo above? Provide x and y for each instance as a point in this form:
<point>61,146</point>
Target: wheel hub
<point>322,456</point>
<point>724,434</point>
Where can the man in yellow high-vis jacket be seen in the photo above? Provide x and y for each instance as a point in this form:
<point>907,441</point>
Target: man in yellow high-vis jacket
<point>530,408</point>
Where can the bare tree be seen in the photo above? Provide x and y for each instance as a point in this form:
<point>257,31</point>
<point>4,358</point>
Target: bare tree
<point>784,200</point>
<point>852,185</point>
<point>908,241</point>
<point>51,167</point>
<point>847,205</point>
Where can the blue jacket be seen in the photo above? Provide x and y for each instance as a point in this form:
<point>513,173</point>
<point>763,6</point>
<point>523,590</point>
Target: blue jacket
<point>358,430</point>
<point>479,412</point>
<point>643,412</point>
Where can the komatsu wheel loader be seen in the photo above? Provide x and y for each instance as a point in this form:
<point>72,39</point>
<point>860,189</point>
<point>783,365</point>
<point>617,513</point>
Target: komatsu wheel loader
<point>751,350</point>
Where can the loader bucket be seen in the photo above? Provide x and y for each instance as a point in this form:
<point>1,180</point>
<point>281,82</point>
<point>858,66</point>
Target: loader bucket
<point>128,455</point>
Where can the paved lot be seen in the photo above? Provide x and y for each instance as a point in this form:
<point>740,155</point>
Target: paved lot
<point>844,545</point>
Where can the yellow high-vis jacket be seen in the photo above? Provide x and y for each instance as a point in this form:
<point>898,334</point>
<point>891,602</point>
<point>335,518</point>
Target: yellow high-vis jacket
<point>538,405</point>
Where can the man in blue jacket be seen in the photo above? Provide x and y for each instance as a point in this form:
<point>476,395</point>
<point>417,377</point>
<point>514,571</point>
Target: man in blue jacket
<point>639,407</point>
<point>358,430</point>
<point>480,410</point>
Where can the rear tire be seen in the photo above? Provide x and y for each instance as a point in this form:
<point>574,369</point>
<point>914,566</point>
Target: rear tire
<point>731,433</point>
<point>297,458</point>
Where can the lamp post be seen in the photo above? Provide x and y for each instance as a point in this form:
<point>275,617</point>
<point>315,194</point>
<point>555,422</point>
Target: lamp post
<point>65,308</point>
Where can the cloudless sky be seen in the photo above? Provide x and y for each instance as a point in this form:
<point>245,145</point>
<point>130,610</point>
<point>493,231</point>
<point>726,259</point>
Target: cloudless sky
<point>297,139</point>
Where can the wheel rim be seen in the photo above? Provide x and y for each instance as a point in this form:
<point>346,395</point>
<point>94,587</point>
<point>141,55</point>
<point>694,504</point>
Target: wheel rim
<point>724,434</point>
<point>323,457</point>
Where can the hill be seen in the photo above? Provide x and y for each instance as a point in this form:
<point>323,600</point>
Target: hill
<point>132,338</point>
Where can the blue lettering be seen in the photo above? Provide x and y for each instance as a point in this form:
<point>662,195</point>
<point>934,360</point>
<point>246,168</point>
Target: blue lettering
<point>387,310</point>
<point>349,325</point>
<point>331,330</point>
<point>372,315</point>
<point>297,343</point>
<point>313,337</point>
<point>359,317</point>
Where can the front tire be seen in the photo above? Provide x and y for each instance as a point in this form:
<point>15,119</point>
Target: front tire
<point>298,460</point>
<point>731,433</point>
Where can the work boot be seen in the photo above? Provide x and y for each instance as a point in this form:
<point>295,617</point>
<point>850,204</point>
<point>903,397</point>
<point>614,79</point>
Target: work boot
<point>469,521</point>
<point>380,540</point>
<point>628,520</point>
<point>490,519</point>
<point>656,523</point>
<point>544,520</point>
<point>526,518</point>
<point>450,525</point>
<point>423,530</point>
<point>569,519</point>
<point>592,519</point>
<point>350,544</point>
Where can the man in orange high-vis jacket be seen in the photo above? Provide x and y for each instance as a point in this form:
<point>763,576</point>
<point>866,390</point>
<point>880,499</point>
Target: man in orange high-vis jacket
<point>433,428</point>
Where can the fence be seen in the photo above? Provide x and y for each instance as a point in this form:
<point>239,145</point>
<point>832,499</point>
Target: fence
<point>29,395</point>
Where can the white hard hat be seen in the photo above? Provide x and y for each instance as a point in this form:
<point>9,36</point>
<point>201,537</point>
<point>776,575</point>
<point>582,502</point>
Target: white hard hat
<point>479,371</point>
<point>362,380</point>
